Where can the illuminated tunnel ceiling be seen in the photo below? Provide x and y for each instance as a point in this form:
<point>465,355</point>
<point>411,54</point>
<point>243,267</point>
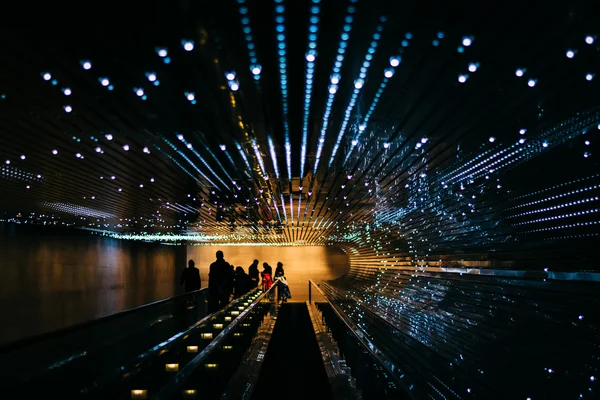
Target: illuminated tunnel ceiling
<point>309,122</point>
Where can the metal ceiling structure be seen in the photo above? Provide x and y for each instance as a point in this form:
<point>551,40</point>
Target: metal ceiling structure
<point>305,122</point>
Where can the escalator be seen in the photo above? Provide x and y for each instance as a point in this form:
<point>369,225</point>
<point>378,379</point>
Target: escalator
<point>254,348</point>
<point>293,367</point>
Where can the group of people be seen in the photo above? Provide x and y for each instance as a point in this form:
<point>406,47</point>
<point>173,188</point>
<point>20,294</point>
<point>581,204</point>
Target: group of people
<point>225,280</point>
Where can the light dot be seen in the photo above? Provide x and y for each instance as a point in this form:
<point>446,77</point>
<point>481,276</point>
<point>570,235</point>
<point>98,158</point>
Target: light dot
<point>222,147</point>
<point>55,152</point>
<point>188,46</point>
<point>86,65</point>
<point>580,317</point>
<point>28,187</point>
<point>104,82</point>
<point>521,141</point>
<point>78,155</point>
<point>589,39</point>
<point>120,190</point>
<point>570,54</point>
<point>98,150</point>
<point>522,131</point>
<point>151,77</point>
<point>23,156</point>
<point>545,144</point>
<point>386,145</point>
<point>589,77</point>
<point>424,140</point>
<point>47,76</point>
<point>146,150</point>
<point>141,185</point>
<point>472,67</point>
<point>332,89</point>
<point>68,109</point>
<point>467,41</point>
<point>389,72</point>
<point>139,92</point>
<point>180,137</point>
<point>113,177</point>
<point>108,136</point>
<point>151,179</point>
<point>67,91</point>
<point>126,147</point>
<point>230,76</point>
<point>189,145</point>
<point>162,52</point>
<point>335,79</point>
<point>234,86</point>
<point>354,142</point>
<point>394,61</point>
<point>358,84</point>
<point>256,70</point>
<point>190,96</point>
<point>7,162</point>
<point>310,57</point>
<point>462,78</point>
<point>492,139</point>
<point>519,72</point>
<point>531,83</point>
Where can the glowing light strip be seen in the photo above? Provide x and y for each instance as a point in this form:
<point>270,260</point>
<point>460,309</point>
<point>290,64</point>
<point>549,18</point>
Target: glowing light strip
<point>273,156</point>
<point>259,158</point>
<point>358,85</point>
<point>245,20</point>
<point>311,56</point>
<point>362,127</point>
<point>182,167</point>
<point>335,79</point>
<point>282,52</point>
<point>243,154</point>
<point>216,160</point>
<point>189,162</point>
<point>283,206</point>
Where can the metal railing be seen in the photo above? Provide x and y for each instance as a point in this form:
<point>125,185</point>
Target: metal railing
<point>49,353</point>
<point>319,296</point>
<point>178,381</point>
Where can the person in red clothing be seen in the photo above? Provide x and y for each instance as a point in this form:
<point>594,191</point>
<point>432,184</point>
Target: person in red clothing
<point>266,274</point>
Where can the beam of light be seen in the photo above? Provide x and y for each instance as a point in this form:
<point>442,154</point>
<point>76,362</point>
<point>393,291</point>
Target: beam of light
<point>77,210</point>
<point>311,58</point>
<point>335,79</point>
<point>362,127</point>
<point>259,158</point>
<point>243,154</point>
<point>273,156</point>
<point>194,165</point>
<point>282,57</point>
<point>255,68</point>
<point>358,85</point>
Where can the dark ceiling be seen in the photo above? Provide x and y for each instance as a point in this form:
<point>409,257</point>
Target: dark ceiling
<point>440,149</point>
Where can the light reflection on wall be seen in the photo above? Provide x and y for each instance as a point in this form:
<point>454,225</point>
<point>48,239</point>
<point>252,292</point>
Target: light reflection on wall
<point>300,263</point>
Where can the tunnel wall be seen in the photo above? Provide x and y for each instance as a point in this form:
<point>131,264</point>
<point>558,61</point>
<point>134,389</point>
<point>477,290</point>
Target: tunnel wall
<point>471,329</point>
<point>56,278</point>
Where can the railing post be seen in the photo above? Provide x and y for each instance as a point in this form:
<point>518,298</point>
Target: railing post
<point>309,292</point>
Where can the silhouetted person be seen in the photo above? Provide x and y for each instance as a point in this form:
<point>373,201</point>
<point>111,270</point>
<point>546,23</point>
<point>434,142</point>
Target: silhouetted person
<point>279,270</point>
<point>190,277</point>
<point>231,281</point>
<point>242,282</point>
<point>218,283</point>
<point>253,274</point>
<point>284,290</point>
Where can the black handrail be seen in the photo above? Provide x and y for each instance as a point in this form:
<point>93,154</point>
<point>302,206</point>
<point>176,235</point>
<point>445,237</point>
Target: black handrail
<point>178,380</point>
<point>20,343</point>
<point>360,337</point>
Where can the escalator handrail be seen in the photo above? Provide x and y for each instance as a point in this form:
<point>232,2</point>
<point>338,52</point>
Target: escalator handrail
<point>178,380</point>
<point>365,343</point>
<point>147,356</point>
<point>20,343</point>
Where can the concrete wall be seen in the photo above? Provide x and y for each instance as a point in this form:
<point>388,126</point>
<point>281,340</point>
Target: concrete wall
<point>51,279</point>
